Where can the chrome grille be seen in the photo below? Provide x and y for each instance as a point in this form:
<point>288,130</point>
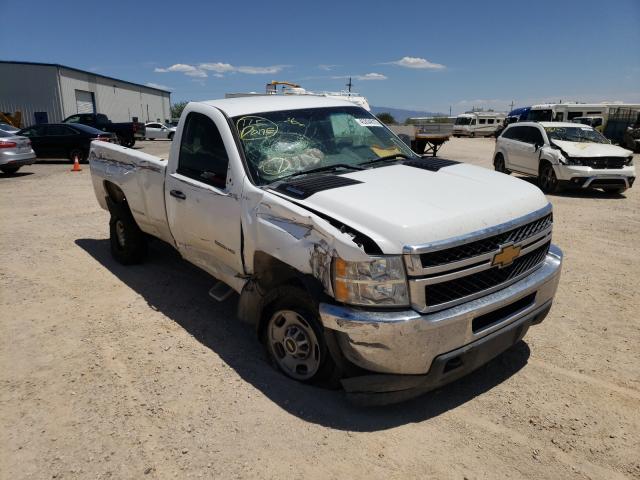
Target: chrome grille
<point>486,244</point>
<point>602,162</point>
<point>444,292</point>
<point>448,273</point>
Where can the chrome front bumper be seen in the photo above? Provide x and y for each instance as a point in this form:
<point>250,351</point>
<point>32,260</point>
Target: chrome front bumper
<point>406,342</point>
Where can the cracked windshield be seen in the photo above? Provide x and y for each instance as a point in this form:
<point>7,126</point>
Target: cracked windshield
<point>280,144</point>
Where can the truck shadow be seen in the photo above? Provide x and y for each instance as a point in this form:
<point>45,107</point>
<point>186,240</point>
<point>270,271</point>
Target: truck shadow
<point>179,290</point>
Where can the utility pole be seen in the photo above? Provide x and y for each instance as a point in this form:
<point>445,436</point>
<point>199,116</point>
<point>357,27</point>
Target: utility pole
<point>512,104</point>
<point>349,85</point>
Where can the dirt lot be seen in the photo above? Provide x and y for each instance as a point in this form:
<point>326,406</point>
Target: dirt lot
<point>133,372</point>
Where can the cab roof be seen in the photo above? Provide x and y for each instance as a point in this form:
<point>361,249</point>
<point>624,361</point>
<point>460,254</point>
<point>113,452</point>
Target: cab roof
<point>273,103</point>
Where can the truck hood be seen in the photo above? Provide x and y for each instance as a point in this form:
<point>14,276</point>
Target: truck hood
<point>400,205</point>
<point>582,149</point>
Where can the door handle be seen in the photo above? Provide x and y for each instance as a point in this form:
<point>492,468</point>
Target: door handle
<point>178,194</point>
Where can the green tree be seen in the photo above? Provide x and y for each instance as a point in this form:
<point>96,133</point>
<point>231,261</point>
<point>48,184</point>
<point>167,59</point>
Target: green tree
<point>177,108</point>
<point>387,118</point>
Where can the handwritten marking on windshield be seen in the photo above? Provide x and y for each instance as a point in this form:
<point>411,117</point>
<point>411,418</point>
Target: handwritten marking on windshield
<point>293,121</point>
<point>252,127</point>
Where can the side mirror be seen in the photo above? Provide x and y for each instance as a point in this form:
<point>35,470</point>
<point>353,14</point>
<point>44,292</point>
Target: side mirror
<point>538,146</point>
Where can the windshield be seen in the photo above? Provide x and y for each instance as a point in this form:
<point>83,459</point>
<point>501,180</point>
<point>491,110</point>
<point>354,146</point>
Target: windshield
<point>575,134</point>
<point>463,121</point>
<point>540,115</point>
<point>279,144</point>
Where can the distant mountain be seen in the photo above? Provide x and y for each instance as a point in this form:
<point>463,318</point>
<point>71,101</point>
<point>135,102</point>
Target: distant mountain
<point>401,115</point>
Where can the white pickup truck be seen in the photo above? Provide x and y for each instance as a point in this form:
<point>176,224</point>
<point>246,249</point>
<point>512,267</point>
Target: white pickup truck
<point>357,260</point>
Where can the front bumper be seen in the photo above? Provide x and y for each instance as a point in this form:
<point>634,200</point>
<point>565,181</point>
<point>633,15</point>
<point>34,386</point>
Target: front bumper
<point>586,177</point>
<point>407,343</point>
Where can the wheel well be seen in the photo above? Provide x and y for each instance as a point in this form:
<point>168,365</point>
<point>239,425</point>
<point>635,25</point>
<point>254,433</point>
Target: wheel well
<point>269,274</point>
<point>542,162</point>
<point>114,192</point>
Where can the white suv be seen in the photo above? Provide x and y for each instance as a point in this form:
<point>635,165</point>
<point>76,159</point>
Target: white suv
<point>567,153</point>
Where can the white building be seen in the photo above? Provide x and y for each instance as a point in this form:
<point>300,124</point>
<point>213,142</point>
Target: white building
<point>48,93</point>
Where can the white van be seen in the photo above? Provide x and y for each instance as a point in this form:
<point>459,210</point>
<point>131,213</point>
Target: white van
<point>477,124</point>
<point>568,112</point>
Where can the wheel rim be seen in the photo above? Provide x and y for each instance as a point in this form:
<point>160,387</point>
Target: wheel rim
<point>548,178</point>
<point>120,236</point>
<point>293,344</point>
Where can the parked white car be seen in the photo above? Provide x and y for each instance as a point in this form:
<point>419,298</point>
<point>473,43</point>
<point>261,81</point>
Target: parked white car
<point>155,130</point>
<point>564,153</point>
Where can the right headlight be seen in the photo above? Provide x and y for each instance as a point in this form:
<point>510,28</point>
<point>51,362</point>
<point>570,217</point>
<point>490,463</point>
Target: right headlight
<point>381,282</point>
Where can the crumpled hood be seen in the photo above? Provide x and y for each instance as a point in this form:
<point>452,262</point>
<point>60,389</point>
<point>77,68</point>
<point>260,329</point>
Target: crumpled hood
<point>581,149</point>
<point>401,205</point>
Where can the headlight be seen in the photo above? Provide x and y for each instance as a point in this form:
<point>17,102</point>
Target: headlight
<point>571,161</point>
<point>379,282</point>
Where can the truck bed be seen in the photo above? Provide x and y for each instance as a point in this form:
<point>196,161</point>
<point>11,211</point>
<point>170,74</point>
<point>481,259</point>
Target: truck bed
<point>140,176</point>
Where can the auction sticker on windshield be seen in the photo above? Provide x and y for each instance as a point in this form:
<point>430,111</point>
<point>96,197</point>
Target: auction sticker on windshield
<point>368,122</point>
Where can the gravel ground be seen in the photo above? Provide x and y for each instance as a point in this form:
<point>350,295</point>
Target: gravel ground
<point>133,372</point>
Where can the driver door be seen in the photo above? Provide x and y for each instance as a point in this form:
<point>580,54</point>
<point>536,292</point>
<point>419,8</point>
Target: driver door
<point>203,206</point>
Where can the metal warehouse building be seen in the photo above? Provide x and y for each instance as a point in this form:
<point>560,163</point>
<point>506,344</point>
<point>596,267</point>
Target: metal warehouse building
<point>48,93</point>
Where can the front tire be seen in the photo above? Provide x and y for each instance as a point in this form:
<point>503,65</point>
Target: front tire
<point>170,137</point>
<point>295,339</point>
<point>128,242</point>
<point>499,164</point>
<point>547,180</point>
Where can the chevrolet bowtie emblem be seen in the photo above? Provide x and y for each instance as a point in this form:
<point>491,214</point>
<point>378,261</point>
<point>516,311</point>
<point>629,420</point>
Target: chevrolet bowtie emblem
<point>506,255</point>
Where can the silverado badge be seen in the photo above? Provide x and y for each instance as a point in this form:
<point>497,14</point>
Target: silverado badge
<point>507,254</point>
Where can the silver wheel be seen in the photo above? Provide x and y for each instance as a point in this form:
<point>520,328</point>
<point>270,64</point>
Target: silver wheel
<point>293,344</point>
<point>120,235</point>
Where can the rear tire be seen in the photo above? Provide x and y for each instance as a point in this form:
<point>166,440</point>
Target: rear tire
<point>82,156</point>
<point>10,170</point>
<point>128,242</point>
<point>295,341</point>
<point>547,180</point>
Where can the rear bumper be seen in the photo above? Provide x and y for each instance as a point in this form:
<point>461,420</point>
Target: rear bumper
<point>408,343</point>
<point>17,159</point>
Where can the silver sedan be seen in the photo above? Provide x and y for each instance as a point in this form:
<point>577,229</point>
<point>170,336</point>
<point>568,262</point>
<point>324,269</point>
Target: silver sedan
<point>15,152</point>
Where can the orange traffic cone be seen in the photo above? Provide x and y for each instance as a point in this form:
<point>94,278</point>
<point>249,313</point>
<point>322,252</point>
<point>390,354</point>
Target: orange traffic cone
<point>76,164</point>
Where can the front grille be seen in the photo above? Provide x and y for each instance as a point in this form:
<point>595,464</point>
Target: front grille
<point>485,245</point>
<point>602,162</point>
<point>439,293</point>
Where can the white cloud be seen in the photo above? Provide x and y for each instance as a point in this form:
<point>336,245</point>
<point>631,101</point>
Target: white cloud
<point>371,76</point>
<point>157,85</point>
<point>218,67</point>
<point>183,68</point>
<point>367,76</point>
<point>200,70</point>
<point>327,67</point>
<point>418,63</point>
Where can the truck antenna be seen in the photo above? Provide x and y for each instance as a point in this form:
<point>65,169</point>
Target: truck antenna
<point>349,85</point>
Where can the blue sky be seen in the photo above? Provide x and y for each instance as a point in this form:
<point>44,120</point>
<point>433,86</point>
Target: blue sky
<point>417,55</point>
